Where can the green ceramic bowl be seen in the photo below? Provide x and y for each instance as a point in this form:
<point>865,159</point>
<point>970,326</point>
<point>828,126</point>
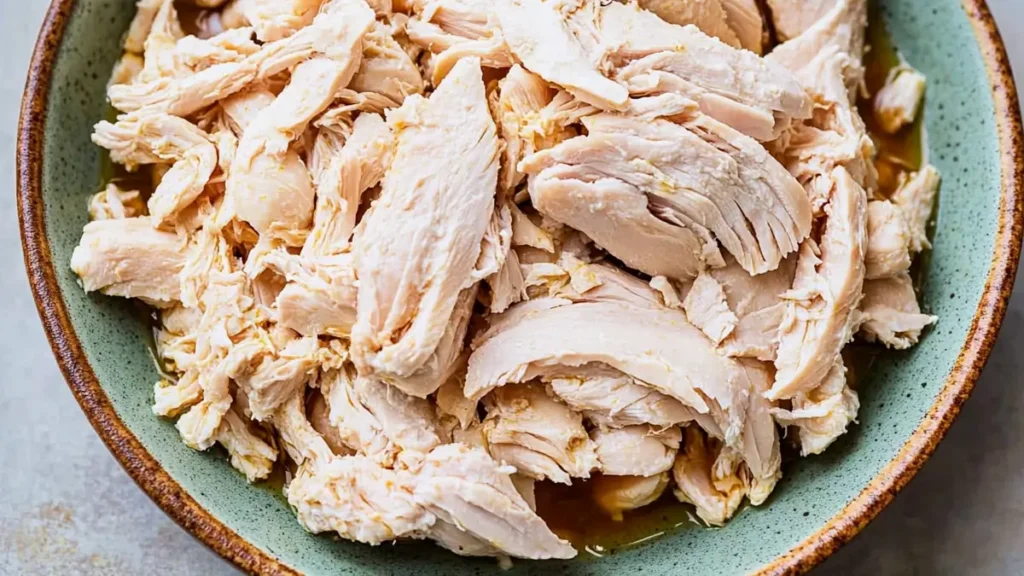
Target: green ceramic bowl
<point>908,402</point>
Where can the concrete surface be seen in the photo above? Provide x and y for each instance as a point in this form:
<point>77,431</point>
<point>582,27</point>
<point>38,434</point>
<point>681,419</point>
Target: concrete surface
<point>66,507</point>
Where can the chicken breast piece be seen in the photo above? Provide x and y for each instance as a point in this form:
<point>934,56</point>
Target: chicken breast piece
<point>260,192</point>
<point>754,96</point>
<point>720,185</point>
<point>358,428</point>
<point>839,25</point>
<point>386,70</point>
<point>612,399</point>
<point>145,13</point>
<point>320,418</point>
<point>890,313</point>
<point>837,136</point>
<point>541,38</point>
<point>421,241</point>
<point>320,296</point>
<point>280,375</point>
<point>278,19</point>
<point>636,450</point>
<point>128,257</point>
<point>521,98</point>
<point>746,20</point>
<point>708,15</point>
<point>826,291</point>
<point>456,29</point>
<point>888,241</point>
<point>793,17</point>
<point>715,501</point>
<point>182,96</point>
<point>250,454</point>
<point>618,494</point>
<point>758,306</point>
<point>228,345</point>
<point>155,138</point>
<point>707,309</point>
<point>465,487</point>
<point>896,105</point>
<point>346,162</point>
<point>822,415</point>
<point>408,422</point>
<point>359,500</point>
<point>916,199</point>
<point>759,450</point>
<point>541,437</point>
<point>655,346</point>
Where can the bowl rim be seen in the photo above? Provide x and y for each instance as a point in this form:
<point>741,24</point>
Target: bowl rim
<point>146,471</point>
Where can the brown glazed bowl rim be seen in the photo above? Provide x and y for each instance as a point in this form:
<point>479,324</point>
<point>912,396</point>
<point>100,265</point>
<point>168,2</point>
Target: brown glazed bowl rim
<point>179,505</point>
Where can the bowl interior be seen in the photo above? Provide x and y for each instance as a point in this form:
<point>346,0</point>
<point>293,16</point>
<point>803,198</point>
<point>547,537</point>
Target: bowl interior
<point>934,35</point>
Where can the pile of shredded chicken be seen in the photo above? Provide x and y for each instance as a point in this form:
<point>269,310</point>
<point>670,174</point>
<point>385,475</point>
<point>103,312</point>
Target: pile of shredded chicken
<point>430,252</point>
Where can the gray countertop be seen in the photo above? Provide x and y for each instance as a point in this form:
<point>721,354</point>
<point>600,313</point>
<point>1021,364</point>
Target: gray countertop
<point>66,507</point>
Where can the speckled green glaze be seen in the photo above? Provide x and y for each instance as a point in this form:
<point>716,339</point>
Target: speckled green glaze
<point>935,35</point>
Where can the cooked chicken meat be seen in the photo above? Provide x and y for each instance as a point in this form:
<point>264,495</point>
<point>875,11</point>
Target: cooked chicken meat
<point>890,313</point>
<point>636,450</point>
<point>897,103</point>
<point>435,256</point>
<point>631,187</point>
<point>417,247</point>
<point>541,437</point>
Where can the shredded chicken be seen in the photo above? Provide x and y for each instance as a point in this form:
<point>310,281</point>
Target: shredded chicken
<point>435,255</point>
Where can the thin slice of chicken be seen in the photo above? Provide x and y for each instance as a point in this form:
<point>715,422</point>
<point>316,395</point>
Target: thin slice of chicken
<point>277,19</point>
<point>541,437</point>
<point>156,138</point>
<point>707,309</point>
<point>142,23</point>
<point>541,38</point>
<point>345,164</point>
<point>758,305</point>
<point>280,375</point>
<point>408,422</point>
<point>834,24</point>
<point>916,198</point>
<point>896,105</point>
<point>828,287</point>
<point>386,69</point>
<point>823,414</point>
<point>708,15</point>
<point>753,95</point>
<point>128,257</point>
<point>720,185</point>
<point>636,450</point>
<point>456,29</point>
<point>612,399</point>
<point>420,243</point>
<point>261,192</point>
<point>250,454</point>
<point>890,313</point>
<point>358,428</point>
<point>888,241</point>
<point>656,346</point>
<point>793,17</point>
<point>746,20</point>
<point>693,472</point>
<point>466,488</point>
